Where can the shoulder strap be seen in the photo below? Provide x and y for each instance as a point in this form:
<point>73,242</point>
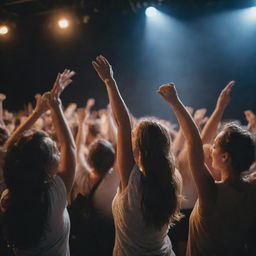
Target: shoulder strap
<point>95,186</point>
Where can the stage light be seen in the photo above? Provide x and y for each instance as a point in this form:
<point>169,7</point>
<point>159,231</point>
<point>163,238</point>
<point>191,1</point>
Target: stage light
<point>63,23</point>
<point>253,10</point>
<point>251,13</point>
<point>3,30</point>
<point>151,11</point>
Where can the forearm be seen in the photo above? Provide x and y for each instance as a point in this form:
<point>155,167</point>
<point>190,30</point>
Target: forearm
<point>1,114</point>
<point>178,142</point>
<point>124,153</point>
<point>23,127</point>
<point>211,127</point>
<point>63,131</point>
<point>188,127</point>
<point>118,106</point>
<point>68,149</point>
<point>80,142</point>
<point>112,132</point>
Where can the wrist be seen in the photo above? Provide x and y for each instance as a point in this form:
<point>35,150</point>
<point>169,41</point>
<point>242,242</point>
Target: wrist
<point>37,112</point>
<point>174,101</point>
<point>219,110</point>
<point>109,81</point>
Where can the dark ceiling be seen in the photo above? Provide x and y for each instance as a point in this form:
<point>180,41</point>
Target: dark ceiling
<point>208,51</point>
<point>20,8</point>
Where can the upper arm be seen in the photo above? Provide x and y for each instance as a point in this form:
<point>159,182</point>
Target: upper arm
<point>205,184</point>
<point>125,159</point>
<point>67,167</point>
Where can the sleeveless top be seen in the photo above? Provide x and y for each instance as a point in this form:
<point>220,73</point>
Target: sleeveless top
<point>133,237</point>
<point>55,239</point>
<point>224,231</point>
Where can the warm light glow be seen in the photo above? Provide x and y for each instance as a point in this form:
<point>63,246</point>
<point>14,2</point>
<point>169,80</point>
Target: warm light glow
<point>4,30</point>
<point>63,23</point>
<point>151,11</point>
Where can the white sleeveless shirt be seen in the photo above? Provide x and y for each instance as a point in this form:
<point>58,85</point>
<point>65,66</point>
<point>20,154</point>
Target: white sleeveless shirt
<point>133,237</point>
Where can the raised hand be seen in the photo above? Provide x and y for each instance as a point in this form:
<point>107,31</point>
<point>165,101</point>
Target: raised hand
<point>62,81</point>
<point>70,110</point>
<point>251,119</point>
<point>89,104</point>
<point>41,104</point>
<point>250,116</point>
<point>103,68</point>
<point>199,115</point>
<point>83,115</point>
<point>168,92</point>
<point>190,110</point>
<point>2,97</point>
<point>224,97</point>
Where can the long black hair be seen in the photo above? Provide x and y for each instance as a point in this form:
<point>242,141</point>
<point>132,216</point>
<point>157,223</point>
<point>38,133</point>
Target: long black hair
<point>26,172</point>
<point>160,200</point>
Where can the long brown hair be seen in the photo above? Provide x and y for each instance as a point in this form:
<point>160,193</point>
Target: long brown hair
<point>26,172</point>
<point>160,199</point>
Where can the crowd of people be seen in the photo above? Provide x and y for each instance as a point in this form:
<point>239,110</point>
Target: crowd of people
<point>75,181</point>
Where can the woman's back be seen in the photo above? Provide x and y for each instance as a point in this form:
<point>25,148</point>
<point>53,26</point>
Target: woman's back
<point>54,241</point>
<point>133,236</point>
<point>225,230</point>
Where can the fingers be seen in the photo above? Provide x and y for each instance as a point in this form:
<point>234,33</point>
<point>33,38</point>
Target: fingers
<point>56,84</point>
<point>96,66</point>
<point>200,112</point>
<point>62,81</point>
<point>101,61</point>
<point>229,87</point>
<point>104,60</point>
<point>37,96</point>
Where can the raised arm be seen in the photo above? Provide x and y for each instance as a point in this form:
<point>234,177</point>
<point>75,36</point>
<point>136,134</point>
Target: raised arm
<point>199,116</point>
<point>41,107</point>
<point>204,182</point>
<point>125,158</point>
<point>2,98</point>
<point>210,129</point>
<point>112,131</point>
<point>68,149</point>
<point>83,115</point>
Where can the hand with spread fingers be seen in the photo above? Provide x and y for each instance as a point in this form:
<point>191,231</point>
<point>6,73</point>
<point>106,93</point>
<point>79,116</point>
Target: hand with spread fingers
<point>103,68</point>
<point>62,81</point>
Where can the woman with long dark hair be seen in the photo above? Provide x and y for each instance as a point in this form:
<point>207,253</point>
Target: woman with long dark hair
<point>38,179</point>
<point>148,199</point>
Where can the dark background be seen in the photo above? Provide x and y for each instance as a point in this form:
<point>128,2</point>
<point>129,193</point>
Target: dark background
<point>199,45</point>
